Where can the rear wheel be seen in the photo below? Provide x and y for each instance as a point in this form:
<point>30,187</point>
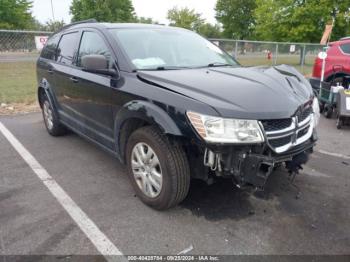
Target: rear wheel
<point>321,105</point>
<point>52,124</point>
<point>328,111</point>
<point>158,169</point>
<point>339,123</point>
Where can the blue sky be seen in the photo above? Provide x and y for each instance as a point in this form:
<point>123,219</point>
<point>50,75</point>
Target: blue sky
<point>157,9</point>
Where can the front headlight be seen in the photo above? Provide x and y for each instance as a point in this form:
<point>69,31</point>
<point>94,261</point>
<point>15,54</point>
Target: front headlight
<point>225,130</point>
<point>316,109</point>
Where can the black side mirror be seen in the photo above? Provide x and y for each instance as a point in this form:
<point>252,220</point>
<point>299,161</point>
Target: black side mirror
<point>97,64</point>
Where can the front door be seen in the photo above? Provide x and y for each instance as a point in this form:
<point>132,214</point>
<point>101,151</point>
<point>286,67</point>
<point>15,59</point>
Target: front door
<point>91,94</point>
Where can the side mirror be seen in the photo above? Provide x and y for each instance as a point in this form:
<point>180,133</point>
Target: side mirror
<point>97,64</point>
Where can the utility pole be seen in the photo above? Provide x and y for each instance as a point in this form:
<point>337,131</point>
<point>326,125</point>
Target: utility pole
<point>324,58</point>
<point>53,14</point>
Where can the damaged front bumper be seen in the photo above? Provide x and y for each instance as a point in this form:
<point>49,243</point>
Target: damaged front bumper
<point>251,165</point>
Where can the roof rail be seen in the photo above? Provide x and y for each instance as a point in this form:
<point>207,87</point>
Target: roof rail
<point>345,38</point>
<point>93,20</point>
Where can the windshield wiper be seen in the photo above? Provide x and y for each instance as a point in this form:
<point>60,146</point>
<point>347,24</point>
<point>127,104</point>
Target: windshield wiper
<point>216,64</point>
<point>159,68</point>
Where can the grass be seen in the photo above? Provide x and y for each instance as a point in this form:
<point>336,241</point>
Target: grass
<point>17,82</point>
<point>18,79</point>
<point>292,60</point>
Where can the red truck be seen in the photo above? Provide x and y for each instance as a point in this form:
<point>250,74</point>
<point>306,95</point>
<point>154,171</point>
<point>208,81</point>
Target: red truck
<point>337,63</point>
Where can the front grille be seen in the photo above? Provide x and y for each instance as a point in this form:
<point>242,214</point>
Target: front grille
<point>278,142</point>
<point>276,124</point>
<point>305,114</point>
<point>287,133</point>
<point>303,132</point>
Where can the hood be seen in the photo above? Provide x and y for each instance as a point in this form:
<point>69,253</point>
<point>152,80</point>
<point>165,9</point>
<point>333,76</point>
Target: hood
<point>239,92</point>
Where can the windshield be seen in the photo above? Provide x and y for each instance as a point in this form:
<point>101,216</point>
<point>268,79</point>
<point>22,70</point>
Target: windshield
<point>154,49</point>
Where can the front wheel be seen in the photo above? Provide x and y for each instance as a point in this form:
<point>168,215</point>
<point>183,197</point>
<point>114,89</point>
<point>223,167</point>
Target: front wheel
<point>158,169</point>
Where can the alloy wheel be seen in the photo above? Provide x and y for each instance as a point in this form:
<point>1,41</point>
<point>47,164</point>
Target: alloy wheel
<point>48,115</point>
<point>147,170</point>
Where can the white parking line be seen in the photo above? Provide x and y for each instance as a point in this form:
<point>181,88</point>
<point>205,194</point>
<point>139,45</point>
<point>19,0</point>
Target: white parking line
<point>333,154</point>
<point>313,172</point>
<point>98,239</point>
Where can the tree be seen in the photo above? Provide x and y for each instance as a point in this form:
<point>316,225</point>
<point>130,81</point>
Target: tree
<point>37,25</point>
<point>16,14</point>
<point>185,18</point>
<point>145,20</point>
<point>103,10</point>
<point>237,17</point>
<point>210,31</point>
<point>54,25</point>
<point>300,20</point>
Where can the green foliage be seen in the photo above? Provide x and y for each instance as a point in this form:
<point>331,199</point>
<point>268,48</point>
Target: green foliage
<point>300,20</point>
<point>145,20</point>
<point>237,18</point>
<point>15,14</point>
<point>185,18</point>
<point>210,31</point>
<point>103,10</point>
<point>189,19</point>
<point>53,25</point>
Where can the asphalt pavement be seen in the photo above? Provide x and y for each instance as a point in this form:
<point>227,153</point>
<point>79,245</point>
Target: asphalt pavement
<point>218,219</point>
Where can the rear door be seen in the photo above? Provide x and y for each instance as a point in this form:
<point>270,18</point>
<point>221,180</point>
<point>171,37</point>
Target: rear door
<point>91,94</point>
<point>66,52</point>
<point>45,65</point>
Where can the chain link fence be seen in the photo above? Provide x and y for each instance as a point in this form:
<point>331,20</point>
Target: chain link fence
<point>18,53</point>
<point>19,45</point>
<point>255,53</point>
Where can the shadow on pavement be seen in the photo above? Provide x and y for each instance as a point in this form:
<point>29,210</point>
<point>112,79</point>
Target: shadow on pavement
<point>223,200</point>
<point>218,201</point>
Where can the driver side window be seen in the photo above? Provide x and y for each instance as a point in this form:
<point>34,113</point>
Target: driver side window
<point>93,44</point>
<point>345,48</point>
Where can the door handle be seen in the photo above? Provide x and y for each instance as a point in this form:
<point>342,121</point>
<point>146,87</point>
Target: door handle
<point>50,71</point>
<point>74,79</point>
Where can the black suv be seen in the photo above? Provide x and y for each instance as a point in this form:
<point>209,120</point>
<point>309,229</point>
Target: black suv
<point>173,107</point>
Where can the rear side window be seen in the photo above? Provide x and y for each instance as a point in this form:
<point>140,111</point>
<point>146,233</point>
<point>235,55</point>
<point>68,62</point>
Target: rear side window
<point>345,48</point>
<point>66,48</point>
<point>92,44</point>
<point>49,51</point>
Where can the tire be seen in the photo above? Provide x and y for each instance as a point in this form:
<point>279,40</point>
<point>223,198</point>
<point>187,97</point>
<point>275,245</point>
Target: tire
<point>173,166</point>
<point>339,123</point>
<point>52,124</point>
<point>321,105</point>
<point>328,111</point>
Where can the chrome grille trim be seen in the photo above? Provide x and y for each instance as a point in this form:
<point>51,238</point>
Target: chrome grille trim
<point>292,131</point>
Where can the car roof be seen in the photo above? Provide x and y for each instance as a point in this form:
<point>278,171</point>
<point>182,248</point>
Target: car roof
<point>341,41</point>
<point>87,23</point>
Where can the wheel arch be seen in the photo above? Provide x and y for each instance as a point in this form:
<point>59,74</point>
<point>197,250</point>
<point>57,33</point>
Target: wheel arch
<point>336,75</point>
<point>44,89</point>
<point>136,114</point>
